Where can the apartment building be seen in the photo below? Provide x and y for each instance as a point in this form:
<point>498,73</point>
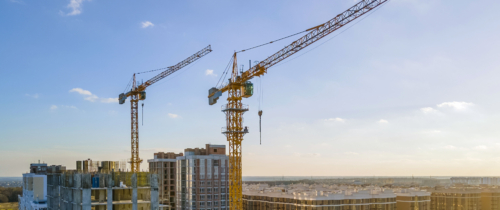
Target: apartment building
<point>455,198</point>
<point>202,179</point>
<point>34,195</point>
<point>316,197</point>
<point>164,164</point>
<point>101,191</point>
<point>412,199</point>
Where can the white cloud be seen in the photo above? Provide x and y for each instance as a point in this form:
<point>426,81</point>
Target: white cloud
<point>35,96</point>
<point>288,146</point>
<point>481,147</point>
<point>146,24</point>
<point>75,6</point>
<point>81,91</point>
<point>210,72</point>
<point>351,153</point>
<point>456,105</point>
<point>53,107</point>
<point>336,119</point>
<point>428,110</point>
<point>173,115</point>
<point>91,97</point>
<point>109,100</point>
<point>382,121</point>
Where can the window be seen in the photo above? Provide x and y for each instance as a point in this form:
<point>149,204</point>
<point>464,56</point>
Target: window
<point>209,197</point>
<point>209,203</point>
<point>202,197</point>
<point>216,163</point>
<point>215,150</point>
<point>216,197</point>
<point>216,183</point>
<point>209,183</point>
<point>202,203</point>
<point>202,183</point>
<point>202,190</point>
<point>216,190</point>
<point>223,190</point>
<point>216,203</point>
<point>209,190</point>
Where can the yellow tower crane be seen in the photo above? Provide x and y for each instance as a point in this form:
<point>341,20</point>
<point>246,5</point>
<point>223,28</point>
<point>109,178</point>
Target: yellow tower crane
<point>240,87</point>
<point>138,92</point>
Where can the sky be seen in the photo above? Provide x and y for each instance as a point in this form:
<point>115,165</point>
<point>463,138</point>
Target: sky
<point>411,89</point>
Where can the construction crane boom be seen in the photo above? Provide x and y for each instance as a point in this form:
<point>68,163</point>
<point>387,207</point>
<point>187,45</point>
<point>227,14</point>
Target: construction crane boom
<point>315,34</point>
<point>240,87</point>
<point>137,92</point>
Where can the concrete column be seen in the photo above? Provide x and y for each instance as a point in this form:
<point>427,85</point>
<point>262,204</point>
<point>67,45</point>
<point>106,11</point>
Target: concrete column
<point>110,192</point>
<point>134,191</point>
<point>63,192</point>
<point>77,191</point>
<point>155,204</point>
<point>86,192</point>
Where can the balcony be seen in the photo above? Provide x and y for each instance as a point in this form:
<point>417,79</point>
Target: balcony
<point>224,130</point>
<point>243,108</point>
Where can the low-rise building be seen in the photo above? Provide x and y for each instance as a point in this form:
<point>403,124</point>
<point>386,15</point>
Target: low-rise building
<point>317,197</point>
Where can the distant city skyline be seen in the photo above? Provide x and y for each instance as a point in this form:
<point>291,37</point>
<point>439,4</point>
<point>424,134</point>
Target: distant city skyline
<point>409,90</point>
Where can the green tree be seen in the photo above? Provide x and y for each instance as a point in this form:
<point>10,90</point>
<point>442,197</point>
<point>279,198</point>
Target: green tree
<point>3,198</point>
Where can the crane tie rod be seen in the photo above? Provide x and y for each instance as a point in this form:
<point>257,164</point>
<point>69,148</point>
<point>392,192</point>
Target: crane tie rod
<point>271,42</point>
<point>154,70</point>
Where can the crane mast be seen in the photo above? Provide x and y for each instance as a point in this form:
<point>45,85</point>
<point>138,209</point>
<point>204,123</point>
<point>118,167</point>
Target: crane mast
<point>138,93</point>
<point>240,87</point>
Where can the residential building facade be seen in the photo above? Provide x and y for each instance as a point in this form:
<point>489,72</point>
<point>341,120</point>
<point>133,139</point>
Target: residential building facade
<point>202,179</point>
<point>164,164</point>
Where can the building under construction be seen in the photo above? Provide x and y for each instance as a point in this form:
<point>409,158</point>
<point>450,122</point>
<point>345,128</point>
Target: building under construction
<point>100,191</point>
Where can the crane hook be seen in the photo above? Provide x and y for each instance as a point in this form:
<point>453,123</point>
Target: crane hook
<point>260,126</point>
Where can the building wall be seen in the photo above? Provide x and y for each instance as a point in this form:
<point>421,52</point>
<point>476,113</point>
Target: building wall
<point>456,199</point>
<point>164,164</point>
<point>407,202</point>
<point>202,179</point>
<point>256,202</point>
<point>490,199</point>
<point>40,188</point>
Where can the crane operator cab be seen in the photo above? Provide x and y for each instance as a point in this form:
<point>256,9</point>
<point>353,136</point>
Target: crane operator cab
<point>247,89</point>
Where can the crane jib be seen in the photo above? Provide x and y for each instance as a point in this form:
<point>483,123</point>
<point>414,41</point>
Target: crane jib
<point>315,34</point>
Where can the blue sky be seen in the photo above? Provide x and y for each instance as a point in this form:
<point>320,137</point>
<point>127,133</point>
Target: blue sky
<point>411,89</point>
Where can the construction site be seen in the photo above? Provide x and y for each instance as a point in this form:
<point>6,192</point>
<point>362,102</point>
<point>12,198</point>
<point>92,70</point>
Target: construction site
<point>94,187</point>
<point>210,178</point>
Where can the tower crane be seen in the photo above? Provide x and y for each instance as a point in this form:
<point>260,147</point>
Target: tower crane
<point>138,92</point>
<point>239,86</point>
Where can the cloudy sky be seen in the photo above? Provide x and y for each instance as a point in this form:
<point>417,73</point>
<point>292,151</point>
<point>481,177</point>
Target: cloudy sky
<point>409,90</point>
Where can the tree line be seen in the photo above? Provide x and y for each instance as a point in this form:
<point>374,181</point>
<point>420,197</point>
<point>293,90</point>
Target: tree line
<point>9,194</point>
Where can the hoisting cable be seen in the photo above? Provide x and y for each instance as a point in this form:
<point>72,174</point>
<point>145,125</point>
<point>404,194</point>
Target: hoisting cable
<point>224,73</point>
<point>129,83</point>
<point>271,42</point>
<point>142,114</point>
